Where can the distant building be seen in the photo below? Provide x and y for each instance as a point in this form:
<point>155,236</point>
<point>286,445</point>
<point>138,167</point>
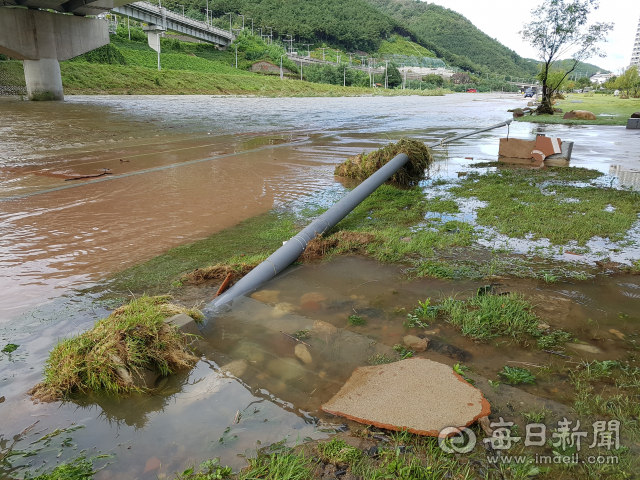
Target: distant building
<point>600,78</point>
<point>635,53</point>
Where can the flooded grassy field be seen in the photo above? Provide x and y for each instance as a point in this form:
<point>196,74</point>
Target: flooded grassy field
<point>177,177</point>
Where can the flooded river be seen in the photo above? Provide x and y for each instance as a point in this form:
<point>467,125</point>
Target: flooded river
<point>164,171</point>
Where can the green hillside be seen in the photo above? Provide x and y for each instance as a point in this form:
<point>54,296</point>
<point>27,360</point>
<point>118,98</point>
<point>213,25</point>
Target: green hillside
<point>448,32</point>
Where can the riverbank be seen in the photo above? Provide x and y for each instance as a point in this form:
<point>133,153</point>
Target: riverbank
<point>82,78</point>
<point>449,243</point>
<point>609,109</point>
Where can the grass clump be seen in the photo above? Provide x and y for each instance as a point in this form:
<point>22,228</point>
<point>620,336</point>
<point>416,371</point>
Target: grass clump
<point>9,348</point>
<point>105,358</point>
<point>208,470</point>
<point>79,468</point>
<point>283,466</point>
<point>363,165</point>
<point>517,375</point>
<point>553,339</point>
<point>338,451</point>
<point>356,320</point>
<point>488,316</point>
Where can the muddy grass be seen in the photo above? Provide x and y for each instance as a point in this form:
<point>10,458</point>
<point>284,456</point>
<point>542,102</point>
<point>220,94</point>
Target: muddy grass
<point>103,359</point>
<point>567,206</point>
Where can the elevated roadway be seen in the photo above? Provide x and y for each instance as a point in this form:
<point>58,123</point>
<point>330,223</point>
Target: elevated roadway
<point>167,20</point>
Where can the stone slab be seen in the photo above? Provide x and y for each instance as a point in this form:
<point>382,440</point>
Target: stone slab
<point>416,394</point>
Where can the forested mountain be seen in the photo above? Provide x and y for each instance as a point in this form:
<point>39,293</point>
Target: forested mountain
<point>365,24</point>
<point>352,24</point>
<point>445,29</point>
<point>453,32</point>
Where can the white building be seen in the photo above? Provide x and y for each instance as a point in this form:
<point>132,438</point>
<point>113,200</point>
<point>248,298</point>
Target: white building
<point>600,78</point>
<point>635,53</point>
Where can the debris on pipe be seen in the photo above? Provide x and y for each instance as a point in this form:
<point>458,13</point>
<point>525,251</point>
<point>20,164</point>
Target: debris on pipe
<point>292,249</point>
<point>225,284</point>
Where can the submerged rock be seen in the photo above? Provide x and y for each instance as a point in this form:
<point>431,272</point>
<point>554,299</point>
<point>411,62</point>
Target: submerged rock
<point>416,343</point>
<point>417,394</point>
<point>266,296</point>
<point>584,347</point>
<point>235,368</point>
<point>302,352</point>
<point>286,368</point>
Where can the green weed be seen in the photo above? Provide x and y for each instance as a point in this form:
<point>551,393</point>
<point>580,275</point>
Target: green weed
<point>9,348</point>
<point>208,470</point>
<point>517,375</point>
<point>488,316</point>
<point>278,466</point>
<point>553,339</point>
<point>338,451</point>
<point>80,468</point>
<point>356,320</point>
<point>403,352</point>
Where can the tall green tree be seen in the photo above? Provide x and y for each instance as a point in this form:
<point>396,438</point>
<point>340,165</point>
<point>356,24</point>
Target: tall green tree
<point>629,81</point>
<point>560,28</point>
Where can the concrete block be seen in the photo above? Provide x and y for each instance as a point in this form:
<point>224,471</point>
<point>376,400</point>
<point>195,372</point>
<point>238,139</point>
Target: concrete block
<point>633,123</point>
<point>185,323</point>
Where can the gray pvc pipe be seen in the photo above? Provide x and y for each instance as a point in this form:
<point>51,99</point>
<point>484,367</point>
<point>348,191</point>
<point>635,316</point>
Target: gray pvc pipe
<point>291,250</point>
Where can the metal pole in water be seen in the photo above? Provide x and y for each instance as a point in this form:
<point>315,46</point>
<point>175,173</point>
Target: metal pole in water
<point>292,249</point>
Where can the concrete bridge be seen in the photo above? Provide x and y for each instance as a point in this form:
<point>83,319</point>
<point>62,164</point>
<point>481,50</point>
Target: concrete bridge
<point>525,84</point>
<point>167,20</point>
<point>42,39</point>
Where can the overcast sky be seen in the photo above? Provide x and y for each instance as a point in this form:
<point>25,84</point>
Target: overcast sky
<point>503,19</point>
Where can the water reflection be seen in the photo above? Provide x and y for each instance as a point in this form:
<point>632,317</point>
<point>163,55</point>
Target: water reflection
<point>627,177</point>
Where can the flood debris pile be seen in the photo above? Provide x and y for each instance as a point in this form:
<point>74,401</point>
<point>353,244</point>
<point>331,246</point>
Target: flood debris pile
<point>363,165</point>
<point>218,273</point>
<point>118,351</point>
<point>344,241</point>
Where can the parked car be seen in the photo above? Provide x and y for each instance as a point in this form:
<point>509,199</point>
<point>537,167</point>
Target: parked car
<point>472,90</point>
<point>528,93</point>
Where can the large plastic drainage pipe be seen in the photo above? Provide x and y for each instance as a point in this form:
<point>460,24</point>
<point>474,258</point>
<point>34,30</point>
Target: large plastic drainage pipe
<point>291,250</point>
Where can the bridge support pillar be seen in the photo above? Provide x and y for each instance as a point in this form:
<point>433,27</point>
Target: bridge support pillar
<point>44,39</point>
<point>43,79</point>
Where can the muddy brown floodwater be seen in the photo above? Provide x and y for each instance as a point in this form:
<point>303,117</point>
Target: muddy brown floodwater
<point>177,169</point>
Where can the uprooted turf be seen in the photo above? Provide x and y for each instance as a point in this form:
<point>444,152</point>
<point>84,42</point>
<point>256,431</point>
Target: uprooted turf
<point>133,337</point>
<point>363,165</point>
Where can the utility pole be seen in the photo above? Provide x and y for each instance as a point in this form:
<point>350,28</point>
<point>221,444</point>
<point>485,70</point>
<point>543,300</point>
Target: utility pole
<point>386,73</point>
<point>129,28</point>
<point>290,43</point>
<point>300,70</point>
<point>242,21</point>
<point>344,77</point>
<point>207,11</point>
<point>337,56</point>
<point>229,13</point>
<point>281,72</point>
<point>182,8</point>
<point>323,49</point>
<point>308,50</point>
<point>270,35</point>
<point>236,55</point>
